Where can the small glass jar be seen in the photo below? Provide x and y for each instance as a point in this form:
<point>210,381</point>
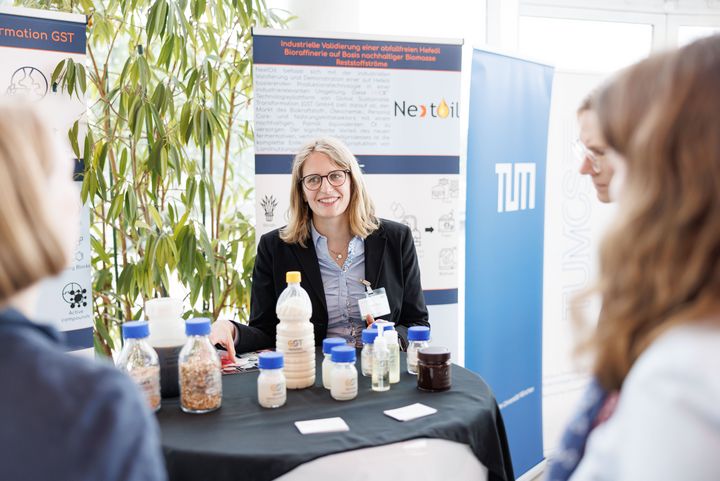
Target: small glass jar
<point>344,374</point>
<point>418,338</point>
<point>272,388</point>
<point>200,370</point>
<point>328,344</point>
<point>434,369</point>
<point>140,361</point>
<point>366,355</point>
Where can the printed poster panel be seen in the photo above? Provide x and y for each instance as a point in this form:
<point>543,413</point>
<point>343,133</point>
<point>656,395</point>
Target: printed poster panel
<point>395,103</point>
<point>32,43</point>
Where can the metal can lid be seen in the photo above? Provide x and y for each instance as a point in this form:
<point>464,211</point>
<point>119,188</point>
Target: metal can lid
<point>434,354</point>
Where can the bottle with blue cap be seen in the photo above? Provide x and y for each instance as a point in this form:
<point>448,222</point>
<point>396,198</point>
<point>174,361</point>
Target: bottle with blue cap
<point>344,374</point>
<point>200,370</point>
<point>140,361</point>
<point>366,355</point>
<point>418,338</point>
<point>327,364</point>
<point>272,387</point>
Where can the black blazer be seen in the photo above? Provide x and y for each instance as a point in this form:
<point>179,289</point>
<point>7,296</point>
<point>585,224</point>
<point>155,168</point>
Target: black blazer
<point>390,262</point>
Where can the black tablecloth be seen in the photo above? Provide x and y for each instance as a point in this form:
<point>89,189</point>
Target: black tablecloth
<point>242,441</point>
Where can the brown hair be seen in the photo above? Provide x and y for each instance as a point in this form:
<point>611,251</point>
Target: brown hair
<point>660,262</point>
<point>29,249</point>
<point>361,210</point>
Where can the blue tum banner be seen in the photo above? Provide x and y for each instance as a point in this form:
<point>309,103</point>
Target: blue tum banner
<point>507,144</point>
<point>42,34</point>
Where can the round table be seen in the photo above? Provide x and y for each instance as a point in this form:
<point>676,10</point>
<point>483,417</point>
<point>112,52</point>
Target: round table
<point>243,441</point>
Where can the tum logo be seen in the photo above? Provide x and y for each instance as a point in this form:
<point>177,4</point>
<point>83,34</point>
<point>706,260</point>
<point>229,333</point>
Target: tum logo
<point>516,186</point>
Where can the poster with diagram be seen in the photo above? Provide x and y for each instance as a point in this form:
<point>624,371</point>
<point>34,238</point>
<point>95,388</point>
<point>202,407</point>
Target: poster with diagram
<point>396,103</point>
<point>32,43</point>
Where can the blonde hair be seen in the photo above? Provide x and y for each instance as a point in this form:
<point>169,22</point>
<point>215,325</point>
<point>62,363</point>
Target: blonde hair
<point>29,248</point>
<point>660,262</point>
<point>361,210</point>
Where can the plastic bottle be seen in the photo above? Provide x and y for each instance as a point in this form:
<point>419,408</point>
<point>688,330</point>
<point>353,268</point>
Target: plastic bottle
<point>327,364</point>
<point>366,355</point>
<point>344,374</point>
<point>418,338</point>
<point>167,337</point>
<point>272,390</point>
<point>294,337</point>
<point>140,361</point>
<point>380,372</point>
<point>200,370</point>
<point>391,338</point>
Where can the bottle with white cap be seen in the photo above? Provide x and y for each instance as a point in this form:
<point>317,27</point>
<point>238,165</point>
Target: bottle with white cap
<point>295,336</point>
<point>391,338</point>
<point>380,372</point>
<point>167,337</point>
<point>327,364</point>
<point>272,390</point>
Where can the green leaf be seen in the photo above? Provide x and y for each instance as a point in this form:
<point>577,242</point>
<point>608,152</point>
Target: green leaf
<point>155,216</point>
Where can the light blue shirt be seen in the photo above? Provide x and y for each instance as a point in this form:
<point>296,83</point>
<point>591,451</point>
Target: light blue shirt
<point>342,287</point>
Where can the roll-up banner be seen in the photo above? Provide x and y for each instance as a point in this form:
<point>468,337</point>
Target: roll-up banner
<point>32,43</point>
<point>396,103</point>
<point>507,144</point>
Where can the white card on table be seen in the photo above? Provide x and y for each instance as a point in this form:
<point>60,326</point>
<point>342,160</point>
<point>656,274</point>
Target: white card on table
<point>410,412</point>
<point>326,425</point>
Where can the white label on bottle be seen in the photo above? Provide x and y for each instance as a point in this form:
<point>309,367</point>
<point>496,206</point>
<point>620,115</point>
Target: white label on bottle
<point>344,384</point>
<point>272,393</point>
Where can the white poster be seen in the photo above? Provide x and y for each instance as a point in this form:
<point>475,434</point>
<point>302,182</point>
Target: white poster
<point>396,104</point>
<point>32,43</point>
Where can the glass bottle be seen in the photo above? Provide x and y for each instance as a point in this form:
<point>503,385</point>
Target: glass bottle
<point>344,374</point>
<point>167,337</point>
<point>418,338</point>
<point>200,370</point>
<point>380,372</point>
<point>327,364</point>
<point>140,361</point>
<point>366,355</point>
<point>272,390</point>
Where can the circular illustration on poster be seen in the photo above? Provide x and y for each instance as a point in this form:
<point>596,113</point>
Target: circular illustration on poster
<point>75,295</point>
<point>28,82</point>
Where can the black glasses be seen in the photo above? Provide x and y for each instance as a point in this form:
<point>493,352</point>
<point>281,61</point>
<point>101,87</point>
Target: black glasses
<point>336,178</point>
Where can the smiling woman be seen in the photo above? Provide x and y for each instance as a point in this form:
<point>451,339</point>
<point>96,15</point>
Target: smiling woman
<point>335,240</point>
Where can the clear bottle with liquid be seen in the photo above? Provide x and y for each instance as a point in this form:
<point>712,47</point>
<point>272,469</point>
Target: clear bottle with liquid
<point>380,371</point>
<point>140,361</point>
<point>418,338</point>
<point>366,355</point>
<point>391,338</point>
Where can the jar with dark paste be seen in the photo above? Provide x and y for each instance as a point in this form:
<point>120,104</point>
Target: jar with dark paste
<point>434,369</point>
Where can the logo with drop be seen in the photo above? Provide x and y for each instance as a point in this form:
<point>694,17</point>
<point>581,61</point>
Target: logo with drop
<point>435,110</point>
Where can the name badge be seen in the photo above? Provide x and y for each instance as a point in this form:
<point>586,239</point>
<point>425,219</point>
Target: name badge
<point>374,303</point>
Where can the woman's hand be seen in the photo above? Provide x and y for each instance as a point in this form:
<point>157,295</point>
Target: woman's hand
<point>223,332</point>
<point>369,319</point>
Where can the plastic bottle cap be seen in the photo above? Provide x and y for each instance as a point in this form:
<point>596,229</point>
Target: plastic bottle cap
<point>271,360</point>
<point>198,326</point>
<point>369,335</point>
<point>419,333</point>
<point>293,276</point>
<point>343,354</point>
<point>135,330</point>
<point>331,342</point>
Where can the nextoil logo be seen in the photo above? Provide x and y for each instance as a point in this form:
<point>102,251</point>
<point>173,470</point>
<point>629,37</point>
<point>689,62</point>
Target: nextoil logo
<point>516,186</point>
<point>440,110</point>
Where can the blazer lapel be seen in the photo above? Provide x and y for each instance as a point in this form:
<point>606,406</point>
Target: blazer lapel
<point>311,269</point>
<point>374,255</point>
